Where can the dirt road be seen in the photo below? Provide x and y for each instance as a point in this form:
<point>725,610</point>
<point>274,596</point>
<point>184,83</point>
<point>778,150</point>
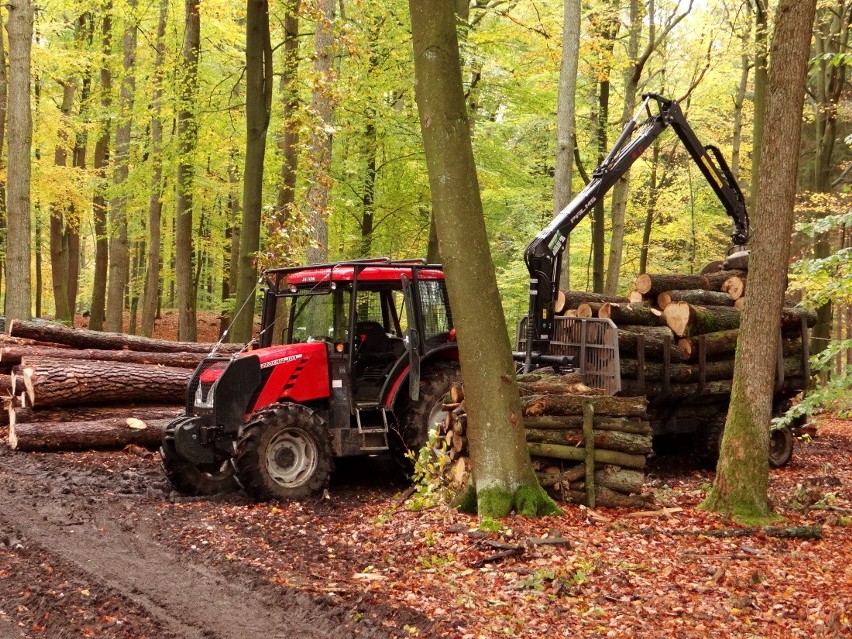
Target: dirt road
<point>83,553</point>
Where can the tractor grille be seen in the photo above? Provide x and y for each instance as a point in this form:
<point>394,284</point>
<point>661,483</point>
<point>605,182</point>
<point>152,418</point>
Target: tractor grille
<point>593,343</point>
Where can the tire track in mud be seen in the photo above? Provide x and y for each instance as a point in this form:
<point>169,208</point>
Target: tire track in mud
<point>110,539</point>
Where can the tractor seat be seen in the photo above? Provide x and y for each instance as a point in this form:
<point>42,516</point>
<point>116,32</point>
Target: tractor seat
<point>376,348</point>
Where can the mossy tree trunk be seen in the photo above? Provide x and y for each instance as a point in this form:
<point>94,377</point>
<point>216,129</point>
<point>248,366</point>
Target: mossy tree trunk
<point>742,476</point>
<point>502,476</point>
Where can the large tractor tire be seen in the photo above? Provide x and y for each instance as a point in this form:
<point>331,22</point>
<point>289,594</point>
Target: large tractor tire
<point>418,418</point>
<point>284,453</point>
<point>194,479</point>
<point>780,447</point>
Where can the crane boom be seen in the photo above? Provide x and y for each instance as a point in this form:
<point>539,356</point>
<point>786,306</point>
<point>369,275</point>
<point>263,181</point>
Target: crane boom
<point>543,255</point>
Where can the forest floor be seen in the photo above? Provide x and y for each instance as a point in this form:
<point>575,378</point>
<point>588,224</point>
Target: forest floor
<point>95,544</point>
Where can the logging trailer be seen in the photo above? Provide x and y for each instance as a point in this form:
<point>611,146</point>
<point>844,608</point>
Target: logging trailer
<point>354,358</point>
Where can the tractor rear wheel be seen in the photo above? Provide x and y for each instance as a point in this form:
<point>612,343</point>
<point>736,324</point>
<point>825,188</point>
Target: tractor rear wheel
<point>284,453</point>
<point>194,479</point>
<point>780,446</point>
<point>418,418</point>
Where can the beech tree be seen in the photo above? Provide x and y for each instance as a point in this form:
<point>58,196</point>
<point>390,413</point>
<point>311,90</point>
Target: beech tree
<point>742,475</point>
<point>18,245</point>
<point>502,476</point>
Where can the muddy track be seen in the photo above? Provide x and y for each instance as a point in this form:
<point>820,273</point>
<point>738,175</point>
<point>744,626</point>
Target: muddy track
<point>97,529</point>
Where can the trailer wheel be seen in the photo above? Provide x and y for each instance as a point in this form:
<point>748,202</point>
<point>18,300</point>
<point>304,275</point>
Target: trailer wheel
<point>284,453</point>
<point>417,419</point>
<point>780,446</point>
<point>194,479</point>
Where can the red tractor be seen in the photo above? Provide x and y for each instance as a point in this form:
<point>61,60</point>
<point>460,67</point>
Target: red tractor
<point>353,358</point>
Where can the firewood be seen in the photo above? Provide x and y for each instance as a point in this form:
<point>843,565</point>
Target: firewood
<point>460,471</point>
<point>603,439</point>
<point>654,284</point>
<point>573,405</point>
<point>578,453</point>
<point>633,314</point>
<point>699,297</point>
<point>109,433</point>
<point>84,338</point>
<point>734,286</point>
<point>11,355</point>
<point>687,320</point>
<point>457,392</point>
<point>74,383</point>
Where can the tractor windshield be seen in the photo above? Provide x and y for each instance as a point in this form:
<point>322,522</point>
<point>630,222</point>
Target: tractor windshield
<point>319,316</point>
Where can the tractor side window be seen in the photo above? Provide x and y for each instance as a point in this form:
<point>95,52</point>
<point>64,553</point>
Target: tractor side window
<point>436,310</point>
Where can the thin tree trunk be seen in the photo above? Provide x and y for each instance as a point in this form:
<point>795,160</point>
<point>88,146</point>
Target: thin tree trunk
<point>187,134</point>
<point>761,47</point>
<point>155,201</point>
<point>59,250</point>
<point>323,107</point>
<point>4,95</point>
<point>258,105</point>
<point>18,245</point>
<point>368,199</point>
<point>566,126</point>
<point>100,161</point>
<point>119,254</point>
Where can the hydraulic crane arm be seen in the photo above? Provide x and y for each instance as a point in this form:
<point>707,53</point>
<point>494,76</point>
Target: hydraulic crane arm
<point>544,254</point>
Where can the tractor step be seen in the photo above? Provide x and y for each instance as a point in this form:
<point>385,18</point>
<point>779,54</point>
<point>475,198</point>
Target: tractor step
<point>374,436</point>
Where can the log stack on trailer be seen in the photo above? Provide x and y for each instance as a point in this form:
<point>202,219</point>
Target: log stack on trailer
<point>586,447</point>
<point>71,389</point>
<point>677,337</point>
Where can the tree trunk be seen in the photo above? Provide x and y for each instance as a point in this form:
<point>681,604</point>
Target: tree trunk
<point>119,255</point>
<point>566,127</point>
<point>502,475</point>
<point>742,474</point>
<point>258,106</point>
<point>100,162</point>
<point>66,383</point>
<point>115,432</point>
<point>18,246</point>
<point>323,107</point>
<point>82,338</point>
<point>155,201</point>
<point>187,134</point>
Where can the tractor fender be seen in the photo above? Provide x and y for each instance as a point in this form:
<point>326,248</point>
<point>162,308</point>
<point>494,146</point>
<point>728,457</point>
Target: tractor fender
<point>402,371</point>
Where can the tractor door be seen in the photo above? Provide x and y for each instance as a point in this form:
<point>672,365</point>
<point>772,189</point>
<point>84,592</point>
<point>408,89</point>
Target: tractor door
<point>412,338</point>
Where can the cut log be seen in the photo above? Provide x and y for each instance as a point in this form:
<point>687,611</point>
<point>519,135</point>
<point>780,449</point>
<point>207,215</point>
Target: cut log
<point>109,433</point>
<point>20,415</point>
<point>576,453</point>
<point>738,260</point>
<point>740,303</point>
<point>654,343</point>
<point>590,309</point>
<point>568,422</point>
<point>687,320</point>
<point>697,296</point>
<point>620,479</point>
<point>606,498</point>
<point>714,281</point>
<point>11,355</point>
<point>686,373</point>
<point>654,284</point>
<point>716,344</point>
<point>792,316</point>
<point>635,297</point>
<point>573,405</point>
<point>573,299</point>
<point>6,386</point>
<point>460,471</point>
<point>631,314</point>
<point>734,286</point>
<point>84,338</point>
<point>713,390</point>
<point>603,439</point>
<point>552,475</point>
<point>75,383</point>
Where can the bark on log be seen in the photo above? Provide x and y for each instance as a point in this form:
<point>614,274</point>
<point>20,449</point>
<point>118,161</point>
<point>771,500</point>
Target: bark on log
<point>631,314</point>
<point>654,284</point>
<point>84,338</point>
<point>685,373</point>
<point>606,498</point>
<point>590,309</point>
<point>567,422</point>
<point>12,355</point>
<point>697,296</point>
<point>6,387</point>
<point>716,344</point>
<point>573,299</point>
<point>687,320</point>
<point>603,439</point>
<point>549,477</point>
<point>69,383</point>
<point>792,316</point>
<point>21,415</point>
<point>573,405</point>
<point>654,344</point>
<point>109,433</point>
<point>718,389</point>
<point>738,261</point>
<point>576,453</point>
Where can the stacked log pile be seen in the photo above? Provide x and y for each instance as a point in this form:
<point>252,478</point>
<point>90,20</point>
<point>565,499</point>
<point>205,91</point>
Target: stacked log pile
<point>678,333</point>
<point>586,447</point>
<point>67,388</point>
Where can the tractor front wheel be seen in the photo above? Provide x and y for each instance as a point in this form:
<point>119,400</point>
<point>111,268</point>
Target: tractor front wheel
<point>284,453</point>
<point>194,479</point>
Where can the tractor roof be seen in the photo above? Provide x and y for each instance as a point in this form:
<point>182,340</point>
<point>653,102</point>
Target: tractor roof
<point>368,270</point>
